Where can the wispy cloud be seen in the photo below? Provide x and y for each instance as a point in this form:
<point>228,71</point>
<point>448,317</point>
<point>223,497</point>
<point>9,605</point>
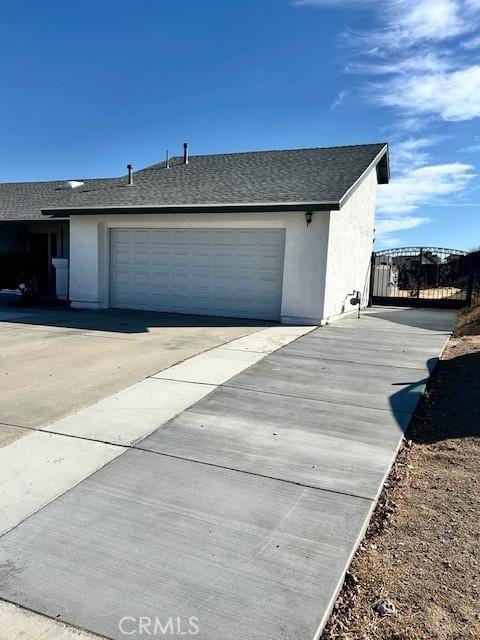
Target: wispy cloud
<point>471,43</point>
<point>340,99</point>
<point>419,60</point>
<point>424,185</point>
<point>382,66</point>
<point>471,148</point>
<point>331,3</point>
<point>411,45</point>
<point>388,241</point>
<point>407,23</point>
<point>389,224</point>
<point>417,21</point>
<point>411,152</point>
<point>417,188</point>
<point>451,96</point>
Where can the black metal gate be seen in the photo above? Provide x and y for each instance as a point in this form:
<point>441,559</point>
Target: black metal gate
<point>425,276</point>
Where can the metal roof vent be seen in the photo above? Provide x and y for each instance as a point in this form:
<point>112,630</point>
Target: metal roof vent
<point>71,184</point>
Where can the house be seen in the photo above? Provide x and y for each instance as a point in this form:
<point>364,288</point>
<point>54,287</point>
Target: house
<point>277,235</point>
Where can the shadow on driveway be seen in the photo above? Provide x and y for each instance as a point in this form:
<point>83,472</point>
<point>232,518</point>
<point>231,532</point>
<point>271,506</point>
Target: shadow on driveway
<point>418,317</point>
<point>112,320</point>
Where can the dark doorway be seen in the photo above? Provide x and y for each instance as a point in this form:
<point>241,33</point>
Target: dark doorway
<point>40,247</point>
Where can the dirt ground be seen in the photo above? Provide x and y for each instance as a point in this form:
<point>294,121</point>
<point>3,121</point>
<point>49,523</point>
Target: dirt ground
<point>421,552</point>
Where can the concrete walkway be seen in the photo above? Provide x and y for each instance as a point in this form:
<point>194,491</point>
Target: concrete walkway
<point>244,510</point>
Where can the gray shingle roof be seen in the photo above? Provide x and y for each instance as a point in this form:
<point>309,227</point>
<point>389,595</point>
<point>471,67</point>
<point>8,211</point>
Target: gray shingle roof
<point>308,176</point>
<point>25,200</point>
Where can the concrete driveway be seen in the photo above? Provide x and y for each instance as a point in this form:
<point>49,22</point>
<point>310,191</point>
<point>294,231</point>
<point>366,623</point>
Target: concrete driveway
<point>241,512</point>
<point>54,361</point>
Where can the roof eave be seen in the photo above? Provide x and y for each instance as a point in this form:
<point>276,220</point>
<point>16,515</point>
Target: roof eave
<point>381,164</point>
<point>280,207</point>
<point>383,167</point>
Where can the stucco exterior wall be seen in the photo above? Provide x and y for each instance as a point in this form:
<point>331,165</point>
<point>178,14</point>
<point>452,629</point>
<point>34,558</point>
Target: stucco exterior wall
<point>305,261</point>
<point>86,239</point>
<point>350,246</point>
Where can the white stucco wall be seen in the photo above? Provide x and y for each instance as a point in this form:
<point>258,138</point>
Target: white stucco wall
<point>350,246</point>
<point>324,262</point>
<point>304,266</point>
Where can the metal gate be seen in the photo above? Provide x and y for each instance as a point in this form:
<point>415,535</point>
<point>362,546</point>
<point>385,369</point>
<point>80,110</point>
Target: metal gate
<point>425,276</point>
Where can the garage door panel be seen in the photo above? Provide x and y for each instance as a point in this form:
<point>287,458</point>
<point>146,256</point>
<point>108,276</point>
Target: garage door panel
<point>180,281</point>
<point>200,260</point>
<point>224,284</point>
<point>141,258</point>
<point>223,239</point>
<point>122,256</point>
<point>121,235</point>
<point>223,260</point>
<point>159,259</point>
<point>160,236</point>
<point>200,302</point>
<point>268,262</point>
<point>202,238</point>
<point>139,277</point>
<point>141,237</point>
<point>180,258</point>
<point>229,272</point>
<point>204,284</point>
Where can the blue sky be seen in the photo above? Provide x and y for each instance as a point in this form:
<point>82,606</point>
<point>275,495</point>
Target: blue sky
<point>88,86</point>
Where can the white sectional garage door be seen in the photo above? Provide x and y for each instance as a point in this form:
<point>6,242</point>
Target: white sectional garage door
<point>224,272</point>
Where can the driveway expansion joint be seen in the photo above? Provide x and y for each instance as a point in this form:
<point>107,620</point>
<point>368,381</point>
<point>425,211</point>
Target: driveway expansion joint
<point>319,400</point>
<point>251,473</point>
<point>342,360</point>
<point>205,384</point>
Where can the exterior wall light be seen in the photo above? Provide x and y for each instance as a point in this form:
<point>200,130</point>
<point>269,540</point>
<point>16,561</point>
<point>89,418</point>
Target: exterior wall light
<point>308,217</point>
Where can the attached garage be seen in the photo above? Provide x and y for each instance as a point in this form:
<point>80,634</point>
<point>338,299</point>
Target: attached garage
<point>221,272</point>
<point>270,235</point>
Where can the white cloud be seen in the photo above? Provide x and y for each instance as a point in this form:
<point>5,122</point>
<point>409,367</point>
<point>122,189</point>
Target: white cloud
<point>421,63</point>
<point>418,59</point>
<point>385,226</point>
<point>415,21</point>
<point>473,148</point>
<point>409,46</point>
<point>405,23</point>
<point>472,43</point>
<point>386,242</point>
<point>331,3</point>
<point>422,186</point>
<point>411,152</point>
<point>340,99</point>
<point>416,188</point>
<point>451,96</point>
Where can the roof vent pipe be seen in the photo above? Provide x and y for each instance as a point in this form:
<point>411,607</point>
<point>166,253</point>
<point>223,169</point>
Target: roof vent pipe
<point>185,153</point>
<point>167,160</point>
<point>130,174</point>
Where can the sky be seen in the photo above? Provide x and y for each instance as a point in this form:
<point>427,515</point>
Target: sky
<point>87,87</point>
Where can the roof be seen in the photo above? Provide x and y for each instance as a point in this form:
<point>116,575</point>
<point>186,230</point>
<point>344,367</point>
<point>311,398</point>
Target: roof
<point>313,179</point>
<point>25,200</point>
